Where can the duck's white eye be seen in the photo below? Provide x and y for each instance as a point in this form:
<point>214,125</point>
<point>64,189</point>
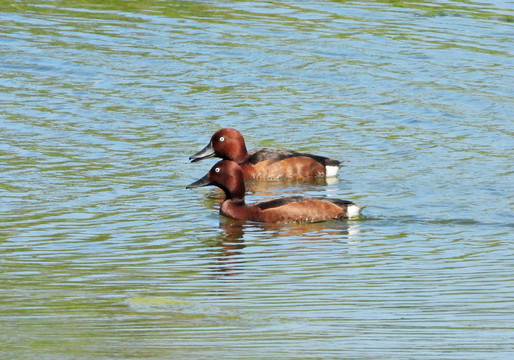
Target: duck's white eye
<point>222,138</point>
<point>217,169</point>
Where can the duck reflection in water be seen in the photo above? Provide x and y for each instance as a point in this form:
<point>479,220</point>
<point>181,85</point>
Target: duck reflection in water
<point>231,257</point>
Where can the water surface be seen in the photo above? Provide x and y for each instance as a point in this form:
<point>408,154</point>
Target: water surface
<point>104,254</point>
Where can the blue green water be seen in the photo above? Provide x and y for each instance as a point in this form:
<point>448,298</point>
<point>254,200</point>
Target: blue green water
<point>105,255</point>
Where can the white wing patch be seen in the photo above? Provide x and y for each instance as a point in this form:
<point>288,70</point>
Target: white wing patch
<point>331,170</point>
<point>353,210</point>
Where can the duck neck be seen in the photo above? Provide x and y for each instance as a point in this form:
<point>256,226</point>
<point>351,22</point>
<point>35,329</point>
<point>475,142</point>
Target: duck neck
<point>237,209</point>
<point>234,189</point>
<point>239,153</point>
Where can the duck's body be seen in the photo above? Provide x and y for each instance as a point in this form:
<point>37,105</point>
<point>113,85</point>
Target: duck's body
<point>266,164</point>
<point>228,176</point>
<point>290,209</point>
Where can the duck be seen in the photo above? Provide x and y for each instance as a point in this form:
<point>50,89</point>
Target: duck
<point>229,177</point>
<point>265,163</point>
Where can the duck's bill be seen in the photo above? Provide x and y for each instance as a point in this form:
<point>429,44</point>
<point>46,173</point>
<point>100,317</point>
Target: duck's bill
<point>198,183</point>
<point>206,152</point>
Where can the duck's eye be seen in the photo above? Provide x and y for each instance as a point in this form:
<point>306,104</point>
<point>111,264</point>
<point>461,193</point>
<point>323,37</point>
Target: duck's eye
<point>222,138</point>
<point>217,169</point>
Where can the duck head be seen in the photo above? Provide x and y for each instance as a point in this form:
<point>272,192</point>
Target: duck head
<point>227,144</point>
<point>228,176</point>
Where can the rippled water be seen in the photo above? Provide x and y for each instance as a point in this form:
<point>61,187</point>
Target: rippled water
<point>104,254</point>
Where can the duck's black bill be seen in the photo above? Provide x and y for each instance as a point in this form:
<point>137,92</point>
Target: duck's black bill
<point>198,183</point>
<point>206,152</point>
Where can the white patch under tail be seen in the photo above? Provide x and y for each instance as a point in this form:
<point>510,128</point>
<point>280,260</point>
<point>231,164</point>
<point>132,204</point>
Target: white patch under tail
<point>353,210</point>
<point>331,170</point>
